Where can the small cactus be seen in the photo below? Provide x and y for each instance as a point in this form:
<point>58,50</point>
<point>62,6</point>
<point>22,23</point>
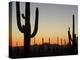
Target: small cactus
<point>57,40</point>
<point>49,40</point>
<point>42,40</point>
<point>69,36</point>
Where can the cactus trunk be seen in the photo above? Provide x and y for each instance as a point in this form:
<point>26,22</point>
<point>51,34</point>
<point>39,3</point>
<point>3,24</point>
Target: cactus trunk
<point>27,29</point>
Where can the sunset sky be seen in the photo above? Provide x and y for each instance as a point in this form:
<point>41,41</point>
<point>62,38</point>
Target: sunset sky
<point>54,21</point>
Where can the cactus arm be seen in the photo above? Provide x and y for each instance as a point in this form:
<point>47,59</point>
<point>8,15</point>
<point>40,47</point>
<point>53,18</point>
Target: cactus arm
<point>23,16</point>
<point>18,17</point>
<point>36,24</point>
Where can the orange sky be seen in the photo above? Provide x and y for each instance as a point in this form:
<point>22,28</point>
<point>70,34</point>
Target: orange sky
<point>38,41</point>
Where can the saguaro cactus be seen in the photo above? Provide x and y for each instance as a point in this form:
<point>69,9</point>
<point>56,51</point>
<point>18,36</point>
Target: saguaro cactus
<point>42,41</point>
<point>49,40</point>
<point>69,36</point>
<point>73,34</point>
<point>73,38</point>
<point>64,42</point>
<point>26,29</point>
<point>58,40</point>
<point>61,41</point>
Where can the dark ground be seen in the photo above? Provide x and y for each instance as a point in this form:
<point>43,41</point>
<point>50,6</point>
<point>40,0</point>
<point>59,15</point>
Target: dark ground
<point>44,50</point>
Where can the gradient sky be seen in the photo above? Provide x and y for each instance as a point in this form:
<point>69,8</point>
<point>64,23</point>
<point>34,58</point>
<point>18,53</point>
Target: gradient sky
<point>54,21</point>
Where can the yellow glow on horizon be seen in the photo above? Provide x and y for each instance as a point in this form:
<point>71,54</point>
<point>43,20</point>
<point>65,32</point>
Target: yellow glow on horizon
<point>38,41</point>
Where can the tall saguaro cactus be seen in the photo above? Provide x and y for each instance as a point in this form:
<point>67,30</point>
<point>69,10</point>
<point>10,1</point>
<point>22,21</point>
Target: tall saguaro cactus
<point>73,34</point>
<point>73,38</point>
<point>26,29</point>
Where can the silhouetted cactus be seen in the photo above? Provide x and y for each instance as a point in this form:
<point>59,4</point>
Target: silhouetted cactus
<point>42,41</point>
<point>69,36</point>
<point>73,27</point>
<point>73,39</point>
<point>42,47</point>
<point>26,29</point>
<point>57,40</point>
<point>64,42</point>
<point>74,35</point>
<point>49,40</point>
<point>17,44</point>
<point>61,41</point>
<point>49,45</point>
